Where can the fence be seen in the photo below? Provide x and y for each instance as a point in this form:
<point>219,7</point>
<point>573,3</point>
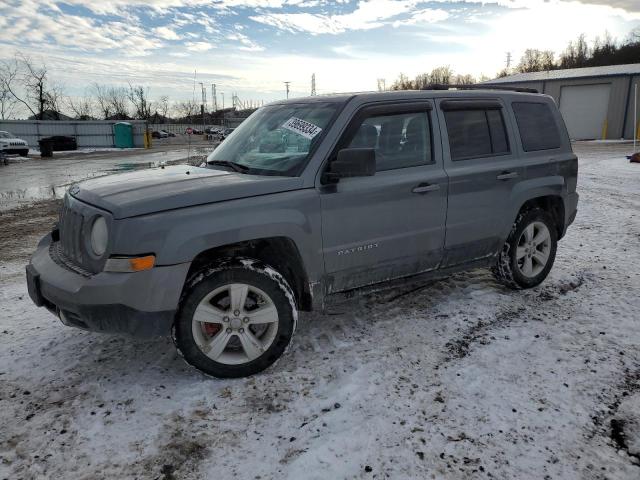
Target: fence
<point>178,128</point>
<point>91,133</point>
<point>229,122</point>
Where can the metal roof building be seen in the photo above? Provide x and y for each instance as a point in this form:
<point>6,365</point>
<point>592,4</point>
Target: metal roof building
<point>596,102</point>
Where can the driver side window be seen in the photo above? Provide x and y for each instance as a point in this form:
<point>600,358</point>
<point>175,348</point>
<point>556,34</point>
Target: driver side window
<point>400,140</point>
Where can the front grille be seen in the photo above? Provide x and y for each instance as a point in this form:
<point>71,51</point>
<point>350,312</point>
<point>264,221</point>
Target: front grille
<point>71,234</point>
<point>58,256</point>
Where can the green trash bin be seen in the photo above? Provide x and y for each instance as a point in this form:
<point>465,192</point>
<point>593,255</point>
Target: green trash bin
<point>123,135</point>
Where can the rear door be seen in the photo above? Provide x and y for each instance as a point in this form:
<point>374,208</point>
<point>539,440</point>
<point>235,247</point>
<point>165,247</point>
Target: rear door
<point>391,224</point>
<point>483,168</point>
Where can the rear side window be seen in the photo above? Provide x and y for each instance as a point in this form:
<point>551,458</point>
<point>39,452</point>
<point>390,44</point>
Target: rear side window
<point>476,133</point>
<point>537,126</point>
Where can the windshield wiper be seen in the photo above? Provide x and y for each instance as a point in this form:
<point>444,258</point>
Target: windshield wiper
<point>236,167</point>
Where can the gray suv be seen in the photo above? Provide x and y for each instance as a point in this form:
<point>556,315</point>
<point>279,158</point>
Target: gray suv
<point>307,198</point>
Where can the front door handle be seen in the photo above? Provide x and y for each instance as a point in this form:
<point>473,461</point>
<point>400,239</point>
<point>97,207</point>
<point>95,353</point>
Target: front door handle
<point>426,187</point>
<point>507,175</point>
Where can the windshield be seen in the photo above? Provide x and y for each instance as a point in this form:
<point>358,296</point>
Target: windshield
<point>5,135</point>
<point>276,140</point>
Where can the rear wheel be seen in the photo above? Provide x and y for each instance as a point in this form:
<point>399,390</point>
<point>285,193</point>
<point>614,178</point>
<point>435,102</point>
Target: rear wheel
<point>236,320</point>
<point>529,252</point>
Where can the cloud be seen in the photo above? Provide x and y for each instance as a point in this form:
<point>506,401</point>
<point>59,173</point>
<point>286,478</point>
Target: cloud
<point>245,42</point>
<point>166,33</point>
<point>628,5</point>
<point>34,23</point>
<point>367,15</point>
<point>199,46</point>
<point>427,15</point>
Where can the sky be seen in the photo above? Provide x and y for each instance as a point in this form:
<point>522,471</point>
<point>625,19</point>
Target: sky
<point>250,47</point>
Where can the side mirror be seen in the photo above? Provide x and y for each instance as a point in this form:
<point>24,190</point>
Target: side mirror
<point>352,162</point>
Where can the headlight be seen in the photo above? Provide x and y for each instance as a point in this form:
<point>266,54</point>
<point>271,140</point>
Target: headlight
<point>99,236</point>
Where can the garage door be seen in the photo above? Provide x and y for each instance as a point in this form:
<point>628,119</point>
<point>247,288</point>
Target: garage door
<point>584,109</point>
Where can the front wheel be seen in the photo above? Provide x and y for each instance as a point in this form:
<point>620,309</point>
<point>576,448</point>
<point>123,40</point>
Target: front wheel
<point>529,252</point>
<point>235,320</point>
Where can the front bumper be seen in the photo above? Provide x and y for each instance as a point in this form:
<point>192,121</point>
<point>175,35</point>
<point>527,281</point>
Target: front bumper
<point>15,149</point>
<point>142,304</point>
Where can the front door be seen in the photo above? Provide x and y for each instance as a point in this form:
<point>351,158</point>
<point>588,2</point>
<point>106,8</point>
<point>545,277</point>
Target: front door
<point>391,224</point>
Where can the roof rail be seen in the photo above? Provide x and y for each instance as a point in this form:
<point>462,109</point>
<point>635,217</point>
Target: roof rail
<point>478,86</point>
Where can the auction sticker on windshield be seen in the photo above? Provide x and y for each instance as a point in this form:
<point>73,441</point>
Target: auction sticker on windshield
<point>301,127</point>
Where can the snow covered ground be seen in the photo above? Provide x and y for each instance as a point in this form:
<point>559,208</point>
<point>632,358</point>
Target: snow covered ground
<point>454,379</point>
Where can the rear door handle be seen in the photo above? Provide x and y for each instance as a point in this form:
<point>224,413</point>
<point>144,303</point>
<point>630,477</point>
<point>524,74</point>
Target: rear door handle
<point>507,175</point>
<point>426,187</point>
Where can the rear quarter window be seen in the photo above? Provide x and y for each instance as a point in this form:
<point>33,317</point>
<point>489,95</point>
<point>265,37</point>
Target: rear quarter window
<point>537,126</point>
<point>476,133</point>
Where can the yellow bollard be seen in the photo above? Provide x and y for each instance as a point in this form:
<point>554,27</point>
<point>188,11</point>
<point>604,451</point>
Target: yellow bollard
<point>147,139</point>
<point>604,129</point>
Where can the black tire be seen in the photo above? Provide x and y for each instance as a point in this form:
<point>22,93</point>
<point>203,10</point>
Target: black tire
<point>24,153</point>
<point>506,269</point>
<point>252,273</point>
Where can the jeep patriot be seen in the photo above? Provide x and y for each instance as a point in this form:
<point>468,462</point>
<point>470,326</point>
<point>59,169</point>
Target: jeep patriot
<point>307,198</point>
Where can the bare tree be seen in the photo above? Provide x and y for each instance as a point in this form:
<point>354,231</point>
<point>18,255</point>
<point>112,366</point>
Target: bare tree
<point>8,102</point>
<point>466,79</point>
<point>441,75</point>
<point>535,60</point>
<point>402,83</point>
<point>422,81</point>
<point>100,92</point>
<point>576,54</point>
<point>139,98</point>
<point>186,110</point>
<point>40,94</point>
<point>164,105</point>
<point>117,98</point>
<point>81,107</point>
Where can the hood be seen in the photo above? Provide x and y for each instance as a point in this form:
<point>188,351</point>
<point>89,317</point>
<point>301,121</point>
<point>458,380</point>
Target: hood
<point>155,190</point>
<point>14,141</point>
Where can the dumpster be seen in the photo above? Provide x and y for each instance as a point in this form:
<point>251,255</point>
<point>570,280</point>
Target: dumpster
<point>46,147</point>
<point>123,135</point>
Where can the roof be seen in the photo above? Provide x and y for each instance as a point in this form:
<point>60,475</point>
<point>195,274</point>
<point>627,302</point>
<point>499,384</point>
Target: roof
<point>611,70</point>
<point>394,95</point>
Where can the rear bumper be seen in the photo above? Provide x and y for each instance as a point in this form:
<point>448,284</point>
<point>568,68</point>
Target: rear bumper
<point>570,210</point>
<point>142,304</point>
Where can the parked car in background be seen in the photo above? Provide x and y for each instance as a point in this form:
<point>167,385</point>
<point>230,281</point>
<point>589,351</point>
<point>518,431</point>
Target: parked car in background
<point>159,134</point>
<point>225,133</point>
<point>168,134</point>
<point>10,144</point>
<point>392,185</point>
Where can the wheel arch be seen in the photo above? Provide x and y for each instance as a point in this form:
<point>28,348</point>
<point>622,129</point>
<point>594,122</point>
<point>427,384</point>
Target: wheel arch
<point>280,253</point>
<point>553,205</point>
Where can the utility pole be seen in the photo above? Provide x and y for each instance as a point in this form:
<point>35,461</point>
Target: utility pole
<point>222,93</point>
<point>508,60</point>
<point>313,85</point>
<point>203,91</point>
<point>286,84</point>
<point>214,97</point>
